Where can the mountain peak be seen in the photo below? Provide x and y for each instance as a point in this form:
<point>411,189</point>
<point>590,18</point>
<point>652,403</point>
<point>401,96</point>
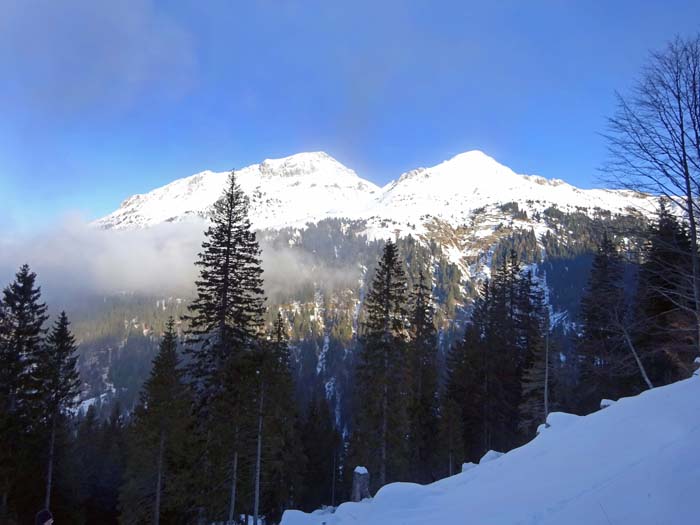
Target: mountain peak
<point>472,155</point>
<point>474,162</point>
<point>310,186</point>
<point>472,168</point>
<point>301,164</point>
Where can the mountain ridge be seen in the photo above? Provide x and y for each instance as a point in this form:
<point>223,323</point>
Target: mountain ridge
<point>312,186</point>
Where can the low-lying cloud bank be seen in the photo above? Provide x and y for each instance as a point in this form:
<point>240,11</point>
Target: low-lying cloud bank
<point>75,258</point>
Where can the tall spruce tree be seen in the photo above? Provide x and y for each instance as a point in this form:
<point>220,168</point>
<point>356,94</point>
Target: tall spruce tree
<point>424,383</point>
<point>111,466</point>
<point>21,340</point>
<point>87,441</point>
<point>503,358</point>
<point>321,444</point>
<point>225,323</point>
<point>534,326</point>
<point>600,351</point>
<point>59,386</point>
<point>226,316</point>
<point>156,482</point>
<point>467,386</point>
<point>664,323</point>
<point>382,379</point>
<point>282,449</point>
<point>487,369</point>
<point>450,436</point>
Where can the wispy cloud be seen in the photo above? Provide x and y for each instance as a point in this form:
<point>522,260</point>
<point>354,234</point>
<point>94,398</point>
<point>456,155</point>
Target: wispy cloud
<point>77,55</point>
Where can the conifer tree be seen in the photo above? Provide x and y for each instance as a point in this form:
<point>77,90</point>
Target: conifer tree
<point>467,386</point>
<point>111,462</point>
<point>321,444</point>
<point>502,356</point>
<point>87,441</point>
<point>262,385</point>
<point>487,369</point>
<point>156,479</point>
<point>59,385</point>
<point>382,421</point>
<point>600,350</point>
<point>224,328</point>
<point>226,316</point>
<point>284,460</point>
<point>534,324</point>
<point>451,435</point>
<point>21,339</point>
<point>423,373</point>
<point>664,324</point>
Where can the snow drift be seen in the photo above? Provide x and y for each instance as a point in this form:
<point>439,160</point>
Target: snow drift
<point>635,461</point>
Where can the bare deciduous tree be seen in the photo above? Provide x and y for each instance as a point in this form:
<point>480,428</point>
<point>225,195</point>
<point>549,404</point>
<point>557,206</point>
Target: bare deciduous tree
<point>654,145</point>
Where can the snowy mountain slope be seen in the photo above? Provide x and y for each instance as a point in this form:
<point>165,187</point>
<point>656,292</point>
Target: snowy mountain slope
<point>292,191</point>
<point>633,462</point>
<point>309,187</point>
<point>455,188</point>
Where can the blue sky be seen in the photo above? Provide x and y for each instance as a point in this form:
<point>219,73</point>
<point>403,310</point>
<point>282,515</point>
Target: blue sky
<point>100,100</point>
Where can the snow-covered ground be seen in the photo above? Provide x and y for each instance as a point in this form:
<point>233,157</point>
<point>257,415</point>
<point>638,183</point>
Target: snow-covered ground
<point>635,461</point>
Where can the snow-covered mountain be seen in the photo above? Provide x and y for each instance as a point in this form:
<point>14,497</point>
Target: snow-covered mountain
<point>633,462</point>
<point>292,191</point>
<point>455,188</point>
<point>309,187</point>
<point>318,220</point>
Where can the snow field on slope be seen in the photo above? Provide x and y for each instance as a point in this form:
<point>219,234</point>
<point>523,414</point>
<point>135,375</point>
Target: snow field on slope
<point>634,462</point>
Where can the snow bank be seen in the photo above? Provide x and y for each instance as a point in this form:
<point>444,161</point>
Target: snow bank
<point>490,456</point>
<point>635,462</point>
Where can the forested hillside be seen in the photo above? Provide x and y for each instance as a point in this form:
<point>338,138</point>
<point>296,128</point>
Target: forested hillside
<point>321,295</point>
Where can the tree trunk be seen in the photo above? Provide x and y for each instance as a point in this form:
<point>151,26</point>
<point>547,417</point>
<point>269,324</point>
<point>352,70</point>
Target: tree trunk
<point>385,395</point>
<point>333,480</point>
<point>692,226</point>
<point>234,481</point>
<point>3,505</point>
<point>642,371</point>
<point>49,470</point>
<point>449,461</point>
<point>546,373</point>
<point>485,403</point>
<point>258,454</point>
<point>159,479</point>
<point>205,510</point>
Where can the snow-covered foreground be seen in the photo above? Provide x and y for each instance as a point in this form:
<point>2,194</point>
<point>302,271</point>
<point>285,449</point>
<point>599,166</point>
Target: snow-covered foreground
<point>636,461</point>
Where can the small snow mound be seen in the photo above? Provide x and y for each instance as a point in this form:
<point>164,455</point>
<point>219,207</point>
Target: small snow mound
<point>361,470</point>
<point>468,466</point>
<point>561,420</point>
<point>607,402</point>
<point>557,420</point>
<point>401,494</point>
<point>490,456</point>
